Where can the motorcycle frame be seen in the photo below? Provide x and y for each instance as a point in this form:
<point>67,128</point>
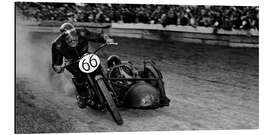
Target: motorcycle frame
<point>92,82</point>
<point>132,79</point>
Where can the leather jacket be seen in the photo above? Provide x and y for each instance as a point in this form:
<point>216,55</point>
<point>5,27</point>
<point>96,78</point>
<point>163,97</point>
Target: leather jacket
<point>61,50</point>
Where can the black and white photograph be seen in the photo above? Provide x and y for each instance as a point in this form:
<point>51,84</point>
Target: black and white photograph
<point>135,67</point>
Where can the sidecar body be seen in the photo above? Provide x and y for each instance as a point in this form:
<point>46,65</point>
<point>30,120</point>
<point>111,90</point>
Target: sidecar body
<point>141,95</point>
<point>143,89</point>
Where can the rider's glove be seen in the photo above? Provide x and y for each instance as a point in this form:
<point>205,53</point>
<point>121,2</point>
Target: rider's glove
<point>107,38</point>
<point>58,69</point>
<point>109,41</point>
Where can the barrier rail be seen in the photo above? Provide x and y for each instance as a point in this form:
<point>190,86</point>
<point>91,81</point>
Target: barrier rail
<point>200,35</point>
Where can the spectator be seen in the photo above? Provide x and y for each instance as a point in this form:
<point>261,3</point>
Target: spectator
<point>171,18</point>
<point>218,17</point>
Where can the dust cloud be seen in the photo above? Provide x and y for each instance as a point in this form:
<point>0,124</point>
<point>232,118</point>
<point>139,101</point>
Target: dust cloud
<point>33,61</point>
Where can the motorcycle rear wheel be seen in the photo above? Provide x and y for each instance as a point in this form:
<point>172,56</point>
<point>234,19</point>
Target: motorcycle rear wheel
<point>110,105</point>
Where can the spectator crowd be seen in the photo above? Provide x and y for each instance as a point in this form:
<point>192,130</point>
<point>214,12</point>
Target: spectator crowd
<point>225,17</point>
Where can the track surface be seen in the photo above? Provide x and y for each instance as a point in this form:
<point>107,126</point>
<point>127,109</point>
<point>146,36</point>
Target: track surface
<point>210,87</point>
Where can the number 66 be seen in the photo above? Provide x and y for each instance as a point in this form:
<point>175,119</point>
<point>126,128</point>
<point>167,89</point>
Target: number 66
<point>89,63</point>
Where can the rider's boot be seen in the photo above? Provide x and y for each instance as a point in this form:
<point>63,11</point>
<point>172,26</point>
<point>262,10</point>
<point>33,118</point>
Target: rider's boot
<point>81,101</point>
<point>82,93</point>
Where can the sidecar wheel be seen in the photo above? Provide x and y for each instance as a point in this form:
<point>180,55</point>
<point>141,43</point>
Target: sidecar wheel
<point>111,107</point>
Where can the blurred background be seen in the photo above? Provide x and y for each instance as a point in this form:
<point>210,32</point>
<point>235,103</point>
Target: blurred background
<point>225,17</point>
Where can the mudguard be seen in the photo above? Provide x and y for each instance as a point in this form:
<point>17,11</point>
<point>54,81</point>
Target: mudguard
<point>142,95</point>
<point>159,84</point>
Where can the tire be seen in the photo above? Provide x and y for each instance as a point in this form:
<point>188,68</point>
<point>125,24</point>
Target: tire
<point>110,105</point>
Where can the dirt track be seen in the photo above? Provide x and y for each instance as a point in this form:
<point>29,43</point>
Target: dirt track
<point>209,87</point>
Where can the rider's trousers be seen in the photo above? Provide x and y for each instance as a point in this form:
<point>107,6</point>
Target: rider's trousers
<point>78,80</point>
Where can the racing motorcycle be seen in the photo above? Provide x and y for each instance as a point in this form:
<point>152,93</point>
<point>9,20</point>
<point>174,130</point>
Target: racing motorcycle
<point>120,84</point>
<point>97,86</point>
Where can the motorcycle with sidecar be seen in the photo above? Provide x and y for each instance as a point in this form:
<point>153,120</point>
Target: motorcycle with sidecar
<point>120,84</point>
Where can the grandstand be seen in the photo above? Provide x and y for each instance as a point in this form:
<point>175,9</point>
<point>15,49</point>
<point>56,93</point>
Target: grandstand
<point>225,17</point>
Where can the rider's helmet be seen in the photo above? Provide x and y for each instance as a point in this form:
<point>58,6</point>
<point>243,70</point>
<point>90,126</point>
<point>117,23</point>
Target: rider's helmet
<point>113,60</point>
<point>71,37</point>
<point>66,26</point>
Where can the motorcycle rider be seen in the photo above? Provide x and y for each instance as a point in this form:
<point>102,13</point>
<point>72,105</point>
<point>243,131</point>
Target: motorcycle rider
<point>71,44</point>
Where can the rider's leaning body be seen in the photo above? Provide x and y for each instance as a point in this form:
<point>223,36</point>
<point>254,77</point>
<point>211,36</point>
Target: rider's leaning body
<point>70,45</point>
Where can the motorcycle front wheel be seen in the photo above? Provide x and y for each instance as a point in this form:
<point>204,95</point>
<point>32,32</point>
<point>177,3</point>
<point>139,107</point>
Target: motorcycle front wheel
<point>110,104</point>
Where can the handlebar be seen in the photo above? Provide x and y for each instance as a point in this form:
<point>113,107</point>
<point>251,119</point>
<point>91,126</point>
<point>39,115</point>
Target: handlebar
<point>100,47</point>
<point>116,44</point>
<point>103,45</point>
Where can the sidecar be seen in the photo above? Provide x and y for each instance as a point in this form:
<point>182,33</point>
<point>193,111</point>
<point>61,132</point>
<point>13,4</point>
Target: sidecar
<point>136,88</point>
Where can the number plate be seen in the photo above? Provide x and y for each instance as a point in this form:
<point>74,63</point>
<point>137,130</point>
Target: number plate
<point>89,63</point>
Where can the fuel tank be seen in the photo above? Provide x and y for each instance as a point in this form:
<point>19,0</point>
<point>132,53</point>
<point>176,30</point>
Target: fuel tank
<point>142,95</point>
